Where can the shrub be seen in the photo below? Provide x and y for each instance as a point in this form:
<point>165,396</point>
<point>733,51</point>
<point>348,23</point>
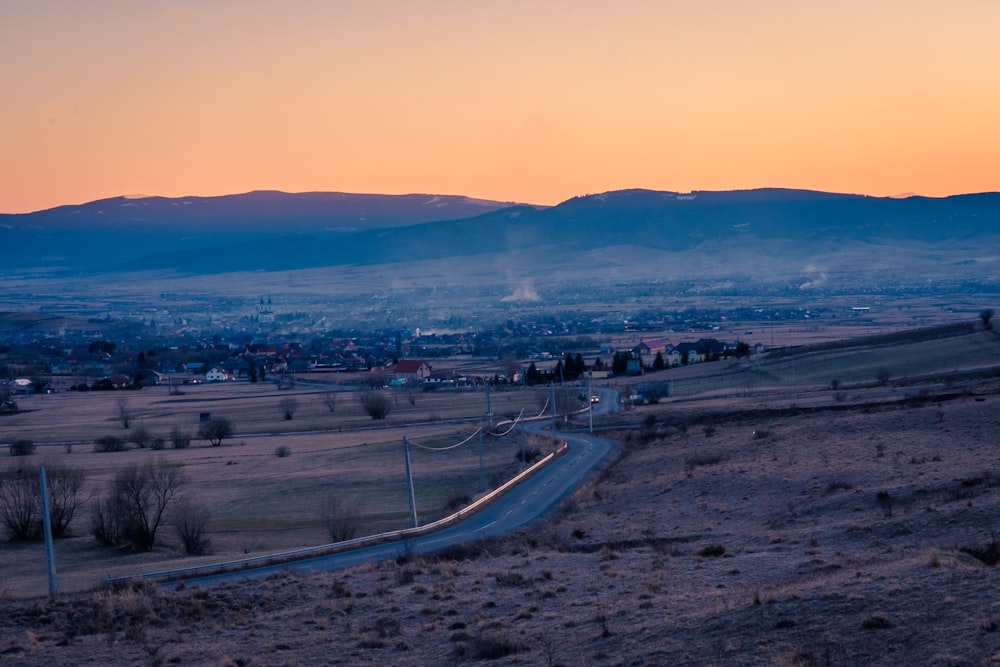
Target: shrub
<point>215,430</point>
<point>457,501</point>
<point>65,496</point>
<point>105,523</point>
<point>712,551</point>
<point>989,554</point>
<point>191,522</point>
<point>340,518</point>
<point>376,404</point>
<point>288,406</point>
<point>489,646</point>
<point>140,436</point>
<point>530,454</point>
<point>109,443</point>
<point>22,448</point>
<point>138,501</point>
<point>20,504</point>
<point>282,451</point>
<point>703,459</point>
<point>179,438</point>
<point>838,485</point>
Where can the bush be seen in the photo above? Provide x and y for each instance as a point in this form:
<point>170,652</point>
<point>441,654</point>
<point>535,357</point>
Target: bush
<point>340,518</point>
<point>215,430</point>
<point>105,524</point>
<point>376,404</point>
<point>20,504</point>
<point>191,522</point>
<point>530,454</point>
<point>140,436</point>
<point>704,459</point>
<point>282,451</point>
<point>988,554</point>
<point>109,443</point>
<point>65,496</point>
<point>179,438</point>
<point>288,406</point>
<point>712,551</point>
<point>136,504</point>
<point>22,448</point>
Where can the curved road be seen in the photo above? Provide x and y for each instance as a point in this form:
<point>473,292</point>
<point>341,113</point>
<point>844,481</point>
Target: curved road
<point>526,502</point>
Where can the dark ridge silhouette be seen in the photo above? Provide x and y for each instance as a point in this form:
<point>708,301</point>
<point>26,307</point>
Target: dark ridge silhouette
<point>279,231</point>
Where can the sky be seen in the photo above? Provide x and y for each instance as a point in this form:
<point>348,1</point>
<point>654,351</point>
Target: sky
<point>531,101</point>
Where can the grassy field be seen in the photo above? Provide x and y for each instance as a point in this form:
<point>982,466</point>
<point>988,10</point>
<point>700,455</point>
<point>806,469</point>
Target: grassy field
<point>260,502</point>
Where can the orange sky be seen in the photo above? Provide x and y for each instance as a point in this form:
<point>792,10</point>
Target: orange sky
<point>521,100</point>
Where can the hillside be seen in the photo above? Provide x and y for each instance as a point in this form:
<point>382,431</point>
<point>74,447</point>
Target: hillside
<point>860,531</point>
<point>276,231</point>
<point>113,232</point>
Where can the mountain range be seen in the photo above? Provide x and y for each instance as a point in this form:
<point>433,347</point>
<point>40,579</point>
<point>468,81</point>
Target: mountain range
<point>762,234</point>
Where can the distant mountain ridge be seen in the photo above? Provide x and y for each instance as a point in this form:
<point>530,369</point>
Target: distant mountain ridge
<point>280,231</point>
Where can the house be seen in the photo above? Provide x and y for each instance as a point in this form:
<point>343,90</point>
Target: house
<point>22,386</point>
<point>147,378</point>
<point>634,367</point>
<point>412,369</point>
<point>686,353</point>
<point>217,374</point>
<point>112,383</point>
<point>649,348</point>
<point>712,348</point>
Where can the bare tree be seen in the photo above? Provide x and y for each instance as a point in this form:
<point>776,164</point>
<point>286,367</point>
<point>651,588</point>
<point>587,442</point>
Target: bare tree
<point>376,404</point>
<point>141,495</point>
<point>986,315</point>
<point>191,521</point>
<point>123,412</point>
<point>340,518</point>
<point>179,438</point>
<point>288,405</point>
<point>140,436</point>
<point>105,521</point>
<point>65,496</point>
<point>215,430</point>
<point>330,400</point>
<point>20,503</point>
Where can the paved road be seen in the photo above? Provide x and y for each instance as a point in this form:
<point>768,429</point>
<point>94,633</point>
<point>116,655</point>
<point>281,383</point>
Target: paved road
<point>526,502</point>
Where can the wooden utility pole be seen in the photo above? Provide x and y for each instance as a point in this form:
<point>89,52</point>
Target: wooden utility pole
<point>409,483</point>
<point>50,556</point>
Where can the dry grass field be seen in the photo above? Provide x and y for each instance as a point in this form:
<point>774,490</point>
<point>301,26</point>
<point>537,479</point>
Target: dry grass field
<point>260,502</point>
<point>775,522</point>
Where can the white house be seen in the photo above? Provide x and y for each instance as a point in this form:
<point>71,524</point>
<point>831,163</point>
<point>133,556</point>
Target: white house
<point>217,374</point>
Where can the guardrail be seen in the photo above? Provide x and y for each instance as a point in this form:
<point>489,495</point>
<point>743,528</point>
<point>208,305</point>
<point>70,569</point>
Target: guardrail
<point>347,545</point>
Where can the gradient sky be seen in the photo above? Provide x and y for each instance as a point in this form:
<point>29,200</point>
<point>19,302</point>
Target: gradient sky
<point>521,100</point>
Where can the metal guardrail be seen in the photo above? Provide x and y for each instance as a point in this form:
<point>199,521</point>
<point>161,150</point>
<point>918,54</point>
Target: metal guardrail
<point>338,547</point>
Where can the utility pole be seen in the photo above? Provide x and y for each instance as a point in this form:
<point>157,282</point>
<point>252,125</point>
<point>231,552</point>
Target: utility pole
<point>50,556</point>
<point>489,411</point>
<point>524,455</point>
<point>409,483</point>
<point>590,399</point>
<point>482,478</point>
